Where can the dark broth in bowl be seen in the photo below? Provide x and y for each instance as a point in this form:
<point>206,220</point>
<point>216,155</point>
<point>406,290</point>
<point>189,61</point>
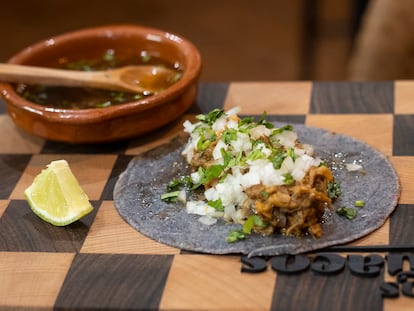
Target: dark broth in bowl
<point>85,98</point>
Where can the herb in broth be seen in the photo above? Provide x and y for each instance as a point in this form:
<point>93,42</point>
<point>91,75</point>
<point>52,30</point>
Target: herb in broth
<point>84,98</point>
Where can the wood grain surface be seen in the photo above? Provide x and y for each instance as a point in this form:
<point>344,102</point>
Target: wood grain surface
<point>100,262</point>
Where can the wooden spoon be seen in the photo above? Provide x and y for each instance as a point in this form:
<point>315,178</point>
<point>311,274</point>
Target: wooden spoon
<point>136,79</point>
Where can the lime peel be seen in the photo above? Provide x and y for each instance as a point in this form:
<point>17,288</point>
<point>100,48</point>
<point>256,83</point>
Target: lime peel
<point>56,196</point>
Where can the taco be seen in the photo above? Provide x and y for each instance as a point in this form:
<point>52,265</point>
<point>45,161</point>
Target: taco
<point>256,188</point>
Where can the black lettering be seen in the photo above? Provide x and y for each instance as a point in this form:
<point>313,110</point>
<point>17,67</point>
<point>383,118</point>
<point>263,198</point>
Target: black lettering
<point>407,281</point>
<point>290,263</point>
<point>369,266</point>
<point>396,262</point>
<point>328,264</point>
<point>408,289</point>
<point>390,290</point>
<point>253,265</point>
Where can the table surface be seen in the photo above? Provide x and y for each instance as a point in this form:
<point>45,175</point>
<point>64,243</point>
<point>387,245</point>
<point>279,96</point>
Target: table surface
<point>101,262</point>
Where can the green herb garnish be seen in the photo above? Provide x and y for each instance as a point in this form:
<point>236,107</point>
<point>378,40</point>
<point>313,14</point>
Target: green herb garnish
<point>170,196</point>
<point>217,204</point>
<point>262,121</point>
<point>245,121</point>
<point>264,194</point>
<point>208,174</point>
<point>211,117</point>
<point>184,181</point>
<point>282,129</point>
<point>289,180</point>
<point>277,157</point>
<point>229,135</point>
<point>251,222</point>
<point>109,56</point>
<point>145,58</point>
<point>359,203</point>
<point>334,190</point>
<point>291,153</point>
<point>348,212</point>
<point>235,235</point>
<point>104,104</point>
<point>256,155</point>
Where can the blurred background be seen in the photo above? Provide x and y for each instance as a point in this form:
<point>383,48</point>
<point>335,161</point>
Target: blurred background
<point>245,40</point>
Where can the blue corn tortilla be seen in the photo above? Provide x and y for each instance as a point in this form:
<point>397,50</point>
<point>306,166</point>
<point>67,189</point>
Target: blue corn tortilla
<point>139,188</point>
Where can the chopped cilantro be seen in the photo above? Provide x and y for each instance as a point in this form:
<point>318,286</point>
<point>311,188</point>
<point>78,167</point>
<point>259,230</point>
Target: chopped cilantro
<point>251,222</point>
<point>170,196</point>
<point>145,58</point>
<point>207,136</point>
<point>359,203</point>
<point>217,204</point>
<point>208,174</point>
<point>235,235</point>
<point>211,117</point>
<point>203,144</point>
<point>104,104</point>
<point>334,190</point>
<point>348,212</point>
<point>184,181</point>
<point>109,56</point>
<point>289,180</point>
<point>282,129</point>
<point>256,155</point>
<point>247,120</point>
<point>227,157</point>
<point>262,121</point>
<point>291,153</point>
<point>229,135</point>
<point>264,194</point>
<point>277,158</point>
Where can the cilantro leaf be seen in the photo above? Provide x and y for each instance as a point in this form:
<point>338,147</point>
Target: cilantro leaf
<point>217,204</point>
<point>348,212</point>
<point>235,235</point>
<point>211,117</point>
<point>229,135</point>
<point>334,190</point>
<point>170,196</point>
<point>281,129</point>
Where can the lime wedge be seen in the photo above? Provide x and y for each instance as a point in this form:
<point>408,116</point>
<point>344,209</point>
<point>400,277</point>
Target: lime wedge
<point>56,196</point>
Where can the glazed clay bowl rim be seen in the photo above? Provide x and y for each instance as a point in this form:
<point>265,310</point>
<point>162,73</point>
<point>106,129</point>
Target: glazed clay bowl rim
<point>190,75</point>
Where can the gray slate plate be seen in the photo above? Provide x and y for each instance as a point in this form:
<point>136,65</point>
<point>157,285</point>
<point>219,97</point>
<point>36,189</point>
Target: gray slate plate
<point>138,190</point>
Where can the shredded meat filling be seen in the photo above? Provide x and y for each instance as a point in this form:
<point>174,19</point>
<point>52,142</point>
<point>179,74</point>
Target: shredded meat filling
<point>292,210</point>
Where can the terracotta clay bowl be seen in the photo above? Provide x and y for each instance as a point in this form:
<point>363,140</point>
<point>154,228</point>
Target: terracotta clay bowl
<point>116,122</point>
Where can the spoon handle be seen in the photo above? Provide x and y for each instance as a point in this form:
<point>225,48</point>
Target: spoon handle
<point>58,77</point>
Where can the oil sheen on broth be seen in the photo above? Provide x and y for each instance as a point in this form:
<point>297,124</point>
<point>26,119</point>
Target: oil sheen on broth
<point>85,98</point>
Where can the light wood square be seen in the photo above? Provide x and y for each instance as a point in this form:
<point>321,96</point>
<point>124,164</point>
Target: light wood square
<point>278,98</point>
<point>375,130</point>
<point>111,234</point>
<point>15,141</point>
<point>92,172</point>
<point>32,279</point>
<point>3,206</point>
<point>405,171</point>
<point>157,138</point>
<point>218,282</point>
<point>404,97</point>
<point>377,237</point>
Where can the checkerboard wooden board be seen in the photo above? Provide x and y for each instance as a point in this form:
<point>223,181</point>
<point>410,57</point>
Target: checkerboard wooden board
<point>101,263</point>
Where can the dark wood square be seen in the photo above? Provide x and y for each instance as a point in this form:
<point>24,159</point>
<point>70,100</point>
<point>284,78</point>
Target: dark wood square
<point>114,282</point>
<point>352,97</point>
<point>23,231</point>
<point>403,138</point>
<point>11,168</point>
